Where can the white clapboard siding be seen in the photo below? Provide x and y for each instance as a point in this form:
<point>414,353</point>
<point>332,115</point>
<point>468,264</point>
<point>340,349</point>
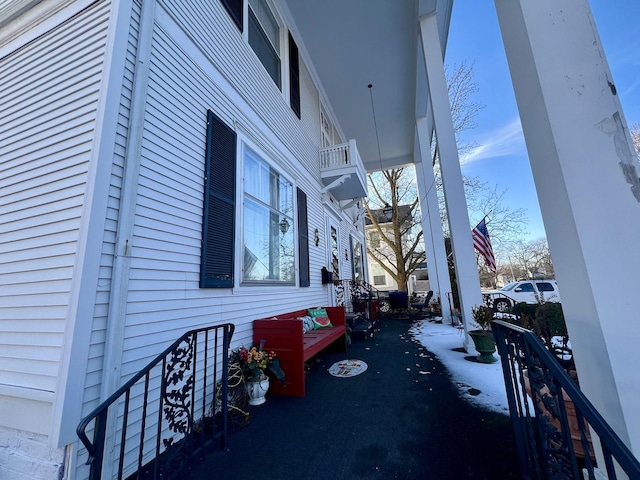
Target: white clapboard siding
<point>11,10</point>
<point>164,299</point>
<point>49,92</point>
<point>94,378</point>
<point>310,117</point>
<point>214,32</point>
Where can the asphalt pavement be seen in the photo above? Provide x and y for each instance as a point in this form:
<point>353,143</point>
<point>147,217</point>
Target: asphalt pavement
<point>391,422</point>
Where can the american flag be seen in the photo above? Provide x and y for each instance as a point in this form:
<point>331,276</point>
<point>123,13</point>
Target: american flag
<point>482,243</point>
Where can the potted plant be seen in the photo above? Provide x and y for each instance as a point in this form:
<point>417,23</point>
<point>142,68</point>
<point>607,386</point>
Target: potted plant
<point>255,363</point>
<point>483,337</point>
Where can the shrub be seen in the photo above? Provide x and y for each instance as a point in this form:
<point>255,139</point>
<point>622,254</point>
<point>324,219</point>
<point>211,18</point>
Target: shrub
<point>483,315</point>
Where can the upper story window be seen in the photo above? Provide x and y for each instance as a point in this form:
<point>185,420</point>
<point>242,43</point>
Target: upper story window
<point>374,240</point>
<point>268,225</point>
<point>264,37</point>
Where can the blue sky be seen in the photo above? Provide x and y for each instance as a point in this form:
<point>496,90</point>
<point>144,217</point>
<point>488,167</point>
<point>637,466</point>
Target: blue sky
<point>502,158</point>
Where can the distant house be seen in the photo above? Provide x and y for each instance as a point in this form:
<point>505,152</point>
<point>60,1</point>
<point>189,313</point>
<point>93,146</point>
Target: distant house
<point>380,278</point>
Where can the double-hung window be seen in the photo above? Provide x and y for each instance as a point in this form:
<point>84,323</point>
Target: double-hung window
<point>268,224</point>
<point>264,37</point>
<point>379,275</point>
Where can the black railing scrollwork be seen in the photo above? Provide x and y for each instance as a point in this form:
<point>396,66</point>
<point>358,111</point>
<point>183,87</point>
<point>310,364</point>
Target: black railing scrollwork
<point>553,422</point>
<point>166,413</point>
<point>350,292</point>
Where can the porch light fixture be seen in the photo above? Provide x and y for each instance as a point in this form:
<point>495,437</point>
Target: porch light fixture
<point>284,226</point>
<point>388,212</point>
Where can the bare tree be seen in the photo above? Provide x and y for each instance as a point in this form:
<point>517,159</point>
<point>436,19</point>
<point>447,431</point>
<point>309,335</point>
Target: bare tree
<point>484,201</point>
<point>529,259</point>
<point>400,249</point>
<point>505,224</point>
<point>461,88</point>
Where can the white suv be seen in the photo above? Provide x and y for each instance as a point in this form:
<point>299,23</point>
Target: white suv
<point>528,291</point>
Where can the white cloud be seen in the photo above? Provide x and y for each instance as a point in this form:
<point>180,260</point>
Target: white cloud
<point>505,140</point>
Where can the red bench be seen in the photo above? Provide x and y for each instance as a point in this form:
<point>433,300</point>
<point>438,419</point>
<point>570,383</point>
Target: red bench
<point>283,334</point>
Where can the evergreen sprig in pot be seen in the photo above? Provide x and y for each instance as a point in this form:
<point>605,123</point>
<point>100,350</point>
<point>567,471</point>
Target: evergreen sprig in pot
<point>483,337</point>
<point>255,363</point>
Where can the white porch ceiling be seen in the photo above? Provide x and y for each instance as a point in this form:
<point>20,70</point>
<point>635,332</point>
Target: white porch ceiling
<point>354,43</point>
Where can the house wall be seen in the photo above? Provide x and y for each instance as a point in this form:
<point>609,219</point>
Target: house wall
<point>198,61</point>
<point>54,165</point>
<point>93,376</point>
<point>51,72</point>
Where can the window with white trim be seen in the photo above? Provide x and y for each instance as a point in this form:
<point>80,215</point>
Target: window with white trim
<point>374,240</point>
<point>264,37</point>
<point>268,225</point>
<point>379,275</point>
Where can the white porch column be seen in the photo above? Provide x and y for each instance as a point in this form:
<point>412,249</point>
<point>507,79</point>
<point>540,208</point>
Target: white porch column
<point>431,226</point>
<point>461,241</point>
<point>586,176</point>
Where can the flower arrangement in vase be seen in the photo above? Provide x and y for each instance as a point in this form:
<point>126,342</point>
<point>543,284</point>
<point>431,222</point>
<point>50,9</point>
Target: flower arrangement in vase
<point>255,363</point>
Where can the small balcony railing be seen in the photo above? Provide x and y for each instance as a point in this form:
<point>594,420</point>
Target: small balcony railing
<point>163,416</point>
<point>556,428</point>
<point>342,171</point>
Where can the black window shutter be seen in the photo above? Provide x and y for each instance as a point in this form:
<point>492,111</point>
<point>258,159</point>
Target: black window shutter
<point>234,9</point>
<point>294,76</point>
<point>218,219</point>
<point>303,239</point>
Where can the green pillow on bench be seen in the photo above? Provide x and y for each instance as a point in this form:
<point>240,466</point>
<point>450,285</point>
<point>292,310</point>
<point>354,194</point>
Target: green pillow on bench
<point>320,318</point>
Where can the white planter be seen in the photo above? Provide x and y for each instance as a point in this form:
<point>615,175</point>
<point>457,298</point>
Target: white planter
<point>257,391</point>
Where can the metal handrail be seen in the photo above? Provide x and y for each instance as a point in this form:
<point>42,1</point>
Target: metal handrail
<point>541,397</point>
<point>191,386</point>
<point>349,291</point>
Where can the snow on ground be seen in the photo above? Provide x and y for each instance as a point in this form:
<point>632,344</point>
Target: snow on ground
<point>445,342</point>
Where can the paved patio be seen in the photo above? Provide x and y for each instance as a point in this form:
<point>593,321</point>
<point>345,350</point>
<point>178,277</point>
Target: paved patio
<point>389,422</point>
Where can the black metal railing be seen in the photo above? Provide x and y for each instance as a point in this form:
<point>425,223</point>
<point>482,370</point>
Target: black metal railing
<point>554,423</point>
<point>357,296</point>
<point>177,405</point>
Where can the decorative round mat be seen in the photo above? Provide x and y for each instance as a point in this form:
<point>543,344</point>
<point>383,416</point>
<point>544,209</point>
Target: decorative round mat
<point>347,368</point>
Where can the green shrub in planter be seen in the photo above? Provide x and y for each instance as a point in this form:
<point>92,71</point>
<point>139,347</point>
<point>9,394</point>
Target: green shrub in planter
<point>524,310</point>
<point>545,319</point>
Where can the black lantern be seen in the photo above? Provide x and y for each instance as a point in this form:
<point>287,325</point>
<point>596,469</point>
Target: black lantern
<point>284,225</point>
<point>388,212</point>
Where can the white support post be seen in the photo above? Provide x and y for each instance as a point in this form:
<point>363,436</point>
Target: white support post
<point>461,241</point>
<point>586,176</point>
<point>431,225</point>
